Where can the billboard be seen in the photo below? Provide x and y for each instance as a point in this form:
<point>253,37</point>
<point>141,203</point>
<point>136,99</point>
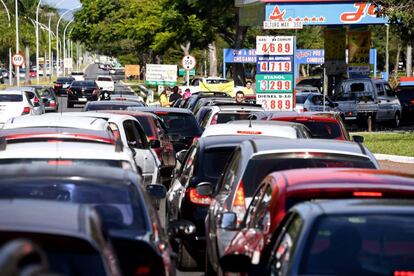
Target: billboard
<point>161,74</point>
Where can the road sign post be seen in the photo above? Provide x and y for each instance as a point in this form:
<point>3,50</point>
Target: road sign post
<point>188,62</point>
<point>17,60</point>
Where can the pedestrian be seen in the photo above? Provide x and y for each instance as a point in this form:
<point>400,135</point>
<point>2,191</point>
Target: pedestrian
<point>164,99</point>
<point>175,95</point>
<point>239,97</point>
<point>248,90</point>
<point>187,94</point>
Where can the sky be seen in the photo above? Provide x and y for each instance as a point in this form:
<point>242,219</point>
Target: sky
<point>64,4</point>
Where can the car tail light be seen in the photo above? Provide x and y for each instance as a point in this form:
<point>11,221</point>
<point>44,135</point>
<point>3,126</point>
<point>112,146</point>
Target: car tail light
<point>60,162</point>
<point>52,103</point>
<point>248,132</point>
<point>198,199</point>
<point>403,273</point>
<point>412,102</point>
<point>161,113</point>
<point>26,110</point>
<point>367,194</point>
<point>36,100</point>
<point>120,99</point>
<point>214,120</point>
<point>143,270</point>
<point>239,204</point>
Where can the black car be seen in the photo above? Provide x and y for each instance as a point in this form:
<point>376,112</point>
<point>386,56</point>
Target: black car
<point>406,96</point>
<point>49,98</point>
<point>71,235</point>
<point>338,237</point>
<point>117,195</point>
<point>80,92</point>
<point>203,163</point>
<point>181,125</point>
<point>195,97</point>
<point>111,105</point>
<point>62,84</point>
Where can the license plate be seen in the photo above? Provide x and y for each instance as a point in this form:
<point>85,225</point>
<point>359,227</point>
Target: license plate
<point>83,99</point>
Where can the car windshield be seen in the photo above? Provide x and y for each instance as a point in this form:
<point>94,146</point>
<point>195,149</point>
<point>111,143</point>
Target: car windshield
<point>364,244</point>
<point>104,79</point>
<point>112,106</point>
<point>323,130</point>
<point>223,118</point>
<point>300,99</point>
<point>355,91</point>
<point>262,165</point>
<point>114,201</point>
<point>10,98</point>
<point>180,123</point>
<point>214,161</point>
<point>83,83</point>
<point>66,255</point>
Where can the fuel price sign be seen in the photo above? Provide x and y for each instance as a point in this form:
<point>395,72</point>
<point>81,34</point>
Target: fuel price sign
<point>274,45</point>
<point>274,83</point>
<point>274,64</point>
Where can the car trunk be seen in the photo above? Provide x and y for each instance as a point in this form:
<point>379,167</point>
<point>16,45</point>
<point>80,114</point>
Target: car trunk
<point>9,110</point>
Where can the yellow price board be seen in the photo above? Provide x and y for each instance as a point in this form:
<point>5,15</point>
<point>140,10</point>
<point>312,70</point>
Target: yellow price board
<point>335,44</point>
<point>359,44</point>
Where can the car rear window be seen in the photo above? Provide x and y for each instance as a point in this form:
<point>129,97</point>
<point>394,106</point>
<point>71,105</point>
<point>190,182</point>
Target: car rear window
<point>146,125</point>
<point>214,161</point>
<point>223,118</point>
<point>300,99</point>
<point>10,98</point>
<point>65,80</point>
<point>405,93</point>
<point>180,123</point>
<point>104,79</point>
<point>117,203</point>
<point>84,83</point>
<point>365,244</point>
<point>93,162</point>
<point>323,130</point>
<point>43,92</point>
<point>260,166</point>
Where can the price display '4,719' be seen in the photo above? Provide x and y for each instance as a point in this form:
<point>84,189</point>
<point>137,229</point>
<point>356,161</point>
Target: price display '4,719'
<point>275,66</point>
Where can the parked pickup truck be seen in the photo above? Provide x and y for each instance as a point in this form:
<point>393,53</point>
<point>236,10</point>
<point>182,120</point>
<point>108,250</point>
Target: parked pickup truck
<point>360,98</point>
<point>105,83</point>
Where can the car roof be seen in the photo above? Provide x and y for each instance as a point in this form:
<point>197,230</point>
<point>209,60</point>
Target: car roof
<point>266,128</point>
<point>11,91</point>
<point>155,109</point>
<point>118,175</point>
<point>104,76</point>
<point>132,113</point>
<point>56,120</point>
<point>113,102</point>
<point>237,107</point>
<point>317,116</point>
<point>21,88</point>
<point>224,140</point>
<point>265,146</point>
<point>63,218</point>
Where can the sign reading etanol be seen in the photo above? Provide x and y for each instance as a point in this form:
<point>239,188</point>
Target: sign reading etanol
<point>274,83</point>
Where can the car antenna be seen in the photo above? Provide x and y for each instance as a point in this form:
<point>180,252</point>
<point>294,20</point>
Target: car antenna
<point>250,121</point>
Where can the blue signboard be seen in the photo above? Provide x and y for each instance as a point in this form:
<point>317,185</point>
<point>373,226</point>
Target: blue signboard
<point>239,55</point>
<point>314,56</point>
<point>325,13</point>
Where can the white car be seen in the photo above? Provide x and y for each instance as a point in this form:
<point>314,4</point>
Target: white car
<point>133,137</point>
<point>222,113</point>
<point>195,84</point>
<point>14,104</point>
<point>105,83</point>
<point>66,153</point>
<point>34,97</point>
<point>78,76</point>
<point>259,128</point>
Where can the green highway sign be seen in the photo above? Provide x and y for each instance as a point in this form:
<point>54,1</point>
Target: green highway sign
<point>181,72</point>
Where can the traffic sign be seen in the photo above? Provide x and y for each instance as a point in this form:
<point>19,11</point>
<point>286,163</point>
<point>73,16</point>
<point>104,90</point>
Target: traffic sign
<point>18,60</point>
<point>188,62</point>
<point>282,25</point>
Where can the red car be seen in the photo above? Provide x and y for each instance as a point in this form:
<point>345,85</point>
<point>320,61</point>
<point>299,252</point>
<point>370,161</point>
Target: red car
<point>322,125</point>
<point>280,191</point>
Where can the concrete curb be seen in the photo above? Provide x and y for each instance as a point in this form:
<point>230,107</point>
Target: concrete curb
<point>394,158</point>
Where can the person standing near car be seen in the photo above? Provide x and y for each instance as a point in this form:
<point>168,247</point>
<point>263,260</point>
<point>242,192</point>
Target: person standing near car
<point>175,95</point>
<point>239,97</point>
<point>164,99</point>
<point>248,90</point>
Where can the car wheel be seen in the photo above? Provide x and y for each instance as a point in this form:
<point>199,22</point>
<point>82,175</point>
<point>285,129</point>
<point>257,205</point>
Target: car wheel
<point>70,105</point>
<point>185,261</point>
<point>209,270</point>
<point>397,119</point>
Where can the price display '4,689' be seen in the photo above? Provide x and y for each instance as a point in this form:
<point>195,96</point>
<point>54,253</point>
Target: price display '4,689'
<point>274,45</point>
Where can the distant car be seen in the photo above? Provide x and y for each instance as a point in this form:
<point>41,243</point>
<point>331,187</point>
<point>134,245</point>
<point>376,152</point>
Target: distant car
<point>339,237</point>
<point>14,104</point>
<point>191,102</point>
<point>76,244</point>
<point>80,92</point>
<point>111,105</point>
<point>78,75</point>
<point>211,101</point>
<point>226,112</point>
<point>288,188</point>
<point>253,160</point>
<point>181,125</point>
<point>312,82</point>
<point>259,128</point>
<point>204,162</point>
<point>313,101</point>
<point>34,97</point>
<point>48,97</point>
<point>322,125</point>
<point>62,84</point>
<point>405,94</point>
<point>119,198</point>
<point>302,89</point>
<point>105,83</point>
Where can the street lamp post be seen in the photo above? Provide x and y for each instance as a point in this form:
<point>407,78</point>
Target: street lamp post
<point>17,40</point>
<point>50,47</point>
<point>37,42</point>
<point>64,45</point>
<point>57,35</point>
<point>10,50</point>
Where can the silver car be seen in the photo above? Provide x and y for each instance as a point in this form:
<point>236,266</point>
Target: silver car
<point>313,101</point>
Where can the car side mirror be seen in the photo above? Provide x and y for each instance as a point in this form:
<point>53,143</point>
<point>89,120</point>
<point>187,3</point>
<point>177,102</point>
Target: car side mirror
<point>180,156</point>
<point>235,263</point>
<point>228,221</point>
<point>358,138</point>
<point>181,229</point>
<point>155,144</point>
<point>205,189</point>
<point>156,191</point>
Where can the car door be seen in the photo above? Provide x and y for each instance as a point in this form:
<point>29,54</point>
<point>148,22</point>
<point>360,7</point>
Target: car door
<point>393,104</point>
<point>383,105</point>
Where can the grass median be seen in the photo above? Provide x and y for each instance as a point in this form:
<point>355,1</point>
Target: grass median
<point>394,143</point>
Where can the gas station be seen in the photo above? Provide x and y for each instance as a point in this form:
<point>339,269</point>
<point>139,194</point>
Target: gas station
<point>347,49</point>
